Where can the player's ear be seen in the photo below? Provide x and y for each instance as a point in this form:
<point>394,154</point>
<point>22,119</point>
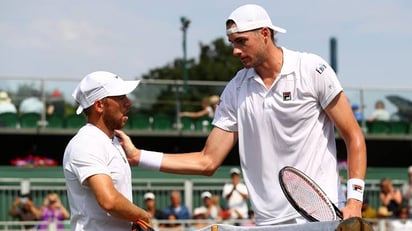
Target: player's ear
<point>99,105</point>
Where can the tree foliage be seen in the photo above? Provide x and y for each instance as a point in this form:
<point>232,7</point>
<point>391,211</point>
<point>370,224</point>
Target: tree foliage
<point>216,62</point>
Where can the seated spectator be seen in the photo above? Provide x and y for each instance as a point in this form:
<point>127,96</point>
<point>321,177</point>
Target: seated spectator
<point>150,202</point>
<point>357,112</point>
<point>367,210</point>
<point>407,191</point>
<point>24,209</point>
<point>402,222</point>
<point>380,113</point>
<point>5,103</point>
<point>212,210</point>
<point>172,224</point>
<point>236,195</point>
<point>209,105</point>
<point>176,208</point>
<point>390,197</point>
<point>32,104</point>
<point>200,214</point>
<point>55,105</point>
<point>251,221</point>
<point>53,211</point>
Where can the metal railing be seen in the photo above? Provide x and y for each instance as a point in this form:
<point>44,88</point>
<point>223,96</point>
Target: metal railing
<point>191,189</point>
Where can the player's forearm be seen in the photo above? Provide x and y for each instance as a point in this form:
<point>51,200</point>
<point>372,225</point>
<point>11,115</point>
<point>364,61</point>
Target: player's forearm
<point>196,163</point>
<point>122,208</point>
<point>356,156</point>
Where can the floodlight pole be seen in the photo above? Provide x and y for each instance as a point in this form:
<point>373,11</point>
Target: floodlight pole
<point>185,24</point>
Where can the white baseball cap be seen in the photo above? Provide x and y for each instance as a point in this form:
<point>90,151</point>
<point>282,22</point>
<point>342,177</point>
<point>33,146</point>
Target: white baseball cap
<point>199,211</point>
<point>206,194</point>
<point>250,17</point>
<point>98,85</point>
<point>234,171</point>
<point>149,195</point>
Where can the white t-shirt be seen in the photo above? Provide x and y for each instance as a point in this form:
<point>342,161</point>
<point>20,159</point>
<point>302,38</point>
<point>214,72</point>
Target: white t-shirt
<point>236,200</point>
<point>280,126</point>
<point>92,152</point>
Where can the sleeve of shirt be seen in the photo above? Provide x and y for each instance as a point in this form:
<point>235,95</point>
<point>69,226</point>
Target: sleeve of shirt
<point>88,159</point>
<point>226,111</point>
<point>325,82</point>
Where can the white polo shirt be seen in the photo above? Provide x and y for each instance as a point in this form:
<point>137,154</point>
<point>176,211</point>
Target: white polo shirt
<point>283,125</point>
<point>236,200</point>
<point>88,153</point>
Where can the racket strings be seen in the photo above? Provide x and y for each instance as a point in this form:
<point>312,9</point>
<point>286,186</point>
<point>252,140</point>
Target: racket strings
<point>308,197</point>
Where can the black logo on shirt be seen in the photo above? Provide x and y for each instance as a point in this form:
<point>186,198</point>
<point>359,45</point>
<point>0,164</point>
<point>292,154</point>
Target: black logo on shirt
<point>321,68</point>
<point>287,96</point>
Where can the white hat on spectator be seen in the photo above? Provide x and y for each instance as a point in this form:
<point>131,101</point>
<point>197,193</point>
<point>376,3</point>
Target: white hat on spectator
<point>149,195</point>
<point>410,169</point>
<point>199,211</point>
<point>206,194</point>
<point>4,97</point>
<point>98,85</point>
<point>234,171</point>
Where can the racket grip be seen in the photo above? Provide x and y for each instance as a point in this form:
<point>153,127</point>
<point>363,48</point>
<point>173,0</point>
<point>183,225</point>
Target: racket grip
<point>141,225</point>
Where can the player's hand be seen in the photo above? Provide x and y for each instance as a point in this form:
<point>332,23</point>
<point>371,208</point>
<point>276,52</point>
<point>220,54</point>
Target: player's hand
<point>142,225</point>
<point>132,153</point>
<point>353,208</point>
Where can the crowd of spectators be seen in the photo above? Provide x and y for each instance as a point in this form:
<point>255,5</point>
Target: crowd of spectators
<point>52,210</point>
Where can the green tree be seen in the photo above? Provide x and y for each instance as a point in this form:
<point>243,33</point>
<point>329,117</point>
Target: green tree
<point>215,63</point>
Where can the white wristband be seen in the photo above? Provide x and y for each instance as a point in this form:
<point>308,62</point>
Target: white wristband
<point>355,189</point>
<point>150,160</point>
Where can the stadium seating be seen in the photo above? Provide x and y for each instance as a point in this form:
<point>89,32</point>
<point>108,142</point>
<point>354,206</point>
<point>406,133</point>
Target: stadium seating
<point>139,121</point>
<point>9,120</point>
<point>399,127</point>
<point>55,121</point>
<point>378,127</point>
<point>163,122</point>
<point>29,120</point>
<point>75,121</point>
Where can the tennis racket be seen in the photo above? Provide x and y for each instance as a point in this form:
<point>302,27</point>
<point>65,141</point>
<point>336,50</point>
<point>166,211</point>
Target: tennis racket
<point>306,196</point>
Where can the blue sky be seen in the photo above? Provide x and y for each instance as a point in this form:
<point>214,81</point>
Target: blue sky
<point>48,38</point>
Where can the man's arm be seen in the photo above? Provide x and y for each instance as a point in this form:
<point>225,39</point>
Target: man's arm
<point>112,201</point>
<point>217,147</point>
<point>340,113</point>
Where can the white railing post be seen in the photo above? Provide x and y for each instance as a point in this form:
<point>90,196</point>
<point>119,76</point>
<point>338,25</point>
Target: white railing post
<point>52,226</point>
<point>24,186</point>
<point>189,194</point>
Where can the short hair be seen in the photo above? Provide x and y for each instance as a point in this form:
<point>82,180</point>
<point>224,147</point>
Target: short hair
<point>230,22</point>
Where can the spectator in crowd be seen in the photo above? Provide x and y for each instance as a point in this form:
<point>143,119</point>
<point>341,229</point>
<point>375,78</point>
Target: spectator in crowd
<point>150,203</point>
<point>172,224</point>
<point>55,105</point>
<point>380,113</point>
<point>24,209</point>
<point>251,221</point>
<point>390,197</point>
<point>32,104</point>
<point>209,105</point>
<point>53,211</point>
<point>200,214</point>
<point>407,191</point>
<point>212,209</point>
<point>5,103</point>
<point>402,223</point>
<point>175,207</point>
<point>367,210</point>
<point>236,195</point>
<point>357,112</point>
